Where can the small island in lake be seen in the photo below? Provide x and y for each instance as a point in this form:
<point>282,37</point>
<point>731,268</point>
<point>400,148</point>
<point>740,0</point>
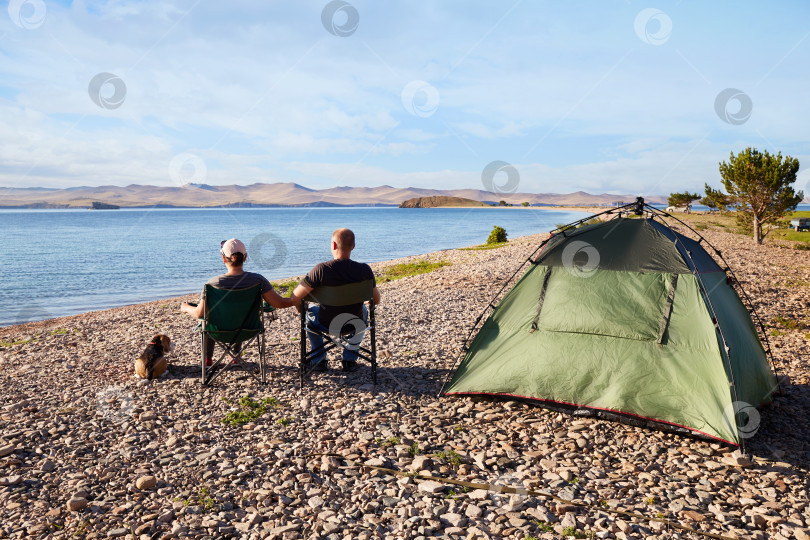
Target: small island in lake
<point>104,206</point>
<point>440,201</point>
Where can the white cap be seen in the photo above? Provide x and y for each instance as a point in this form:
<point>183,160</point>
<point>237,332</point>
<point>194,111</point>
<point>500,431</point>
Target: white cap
<point>229,247</point>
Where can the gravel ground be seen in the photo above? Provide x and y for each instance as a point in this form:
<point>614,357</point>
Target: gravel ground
<point>87,450</point>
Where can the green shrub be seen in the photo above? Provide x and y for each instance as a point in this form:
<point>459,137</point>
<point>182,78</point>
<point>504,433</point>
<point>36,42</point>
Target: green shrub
<point>497,236</point>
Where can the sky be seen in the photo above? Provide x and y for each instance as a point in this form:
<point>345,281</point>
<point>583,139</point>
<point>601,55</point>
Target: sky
<point>530,96</point>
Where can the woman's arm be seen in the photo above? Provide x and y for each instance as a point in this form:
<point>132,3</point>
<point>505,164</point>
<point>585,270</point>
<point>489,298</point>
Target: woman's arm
<point>276,300</point>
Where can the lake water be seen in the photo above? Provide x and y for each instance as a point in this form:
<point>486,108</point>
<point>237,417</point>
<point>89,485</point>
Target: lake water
<point>63,262</point>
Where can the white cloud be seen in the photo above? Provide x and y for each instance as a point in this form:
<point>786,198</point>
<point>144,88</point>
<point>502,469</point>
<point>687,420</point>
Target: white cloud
<point>253,87</point>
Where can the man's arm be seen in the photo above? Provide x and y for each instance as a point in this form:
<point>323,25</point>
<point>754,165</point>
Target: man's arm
<point>298,294</point>
<point>376,295</point>
<point>195,311</point>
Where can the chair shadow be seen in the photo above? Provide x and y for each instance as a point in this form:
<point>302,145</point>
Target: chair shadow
<point>187,370</point>
<point>403,381</point>
<point>783,431</point>
<point>413,381</point>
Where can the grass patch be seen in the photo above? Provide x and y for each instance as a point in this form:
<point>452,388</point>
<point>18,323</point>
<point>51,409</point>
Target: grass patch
<point>787,323</point>
<point>484,246</point>
<point>16,342</point>
<point>249,410</point>
<point>791,235</point>
<point>284,288</point>
<point>403,270</point>
<point>414,449</point>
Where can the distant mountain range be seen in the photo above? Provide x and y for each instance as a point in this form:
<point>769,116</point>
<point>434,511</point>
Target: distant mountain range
<point>278,194</point>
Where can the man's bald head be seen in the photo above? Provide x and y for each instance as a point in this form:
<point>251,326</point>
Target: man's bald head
<point>344,238</point>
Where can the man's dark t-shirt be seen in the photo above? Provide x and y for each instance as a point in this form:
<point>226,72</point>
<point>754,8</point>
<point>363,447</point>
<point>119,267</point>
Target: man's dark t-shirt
<point>333,273</point>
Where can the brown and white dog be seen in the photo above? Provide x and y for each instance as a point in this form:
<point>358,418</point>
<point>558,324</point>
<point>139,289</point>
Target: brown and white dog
<point>152,363</point>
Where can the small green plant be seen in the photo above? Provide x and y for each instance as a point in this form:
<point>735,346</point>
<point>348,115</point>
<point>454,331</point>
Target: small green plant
<point>562,226</point>
<point>497,235</point>
<point>787,323</point>
<point>592,221</point>
<point>455,458</point>
<point>59,331</point>
<point>572,531</point>
<point>458,428</point>
<point>659,515</point>
<point>414,449</point>
<point>206,501</point>
<point>650,500</point>
<point>803,247</point>
<point>249,410</point>
<point>544,527</point>
<point>81,530</point>
<point>574,480</point>
<point>283,422</point>
<point>603,503</point>
<point>775,332</point>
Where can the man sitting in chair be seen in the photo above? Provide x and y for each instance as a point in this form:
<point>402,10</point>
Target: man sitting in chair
<point>339,271</point>
<point>234,254</point>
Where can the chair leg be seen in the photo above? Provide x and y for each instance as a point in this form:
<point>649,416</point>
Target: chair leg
<point>301,366</point>
<point>262,367</point>
<point>372,321</point>
<point>202,356</point>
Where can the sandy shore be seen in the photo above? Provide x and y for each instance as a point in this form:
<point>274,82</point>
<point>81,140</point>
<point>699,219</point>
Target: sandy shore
<point>87,450</point>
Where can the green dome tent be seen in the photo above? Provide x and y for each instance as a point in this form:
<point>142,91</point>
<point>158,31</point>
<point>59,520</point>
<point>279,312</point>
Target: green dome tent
<point>630,320</point>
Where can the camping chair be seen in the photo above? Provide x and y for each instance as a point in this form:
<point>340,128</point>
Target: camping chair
<point>234,320</point>
<point>348,337</point>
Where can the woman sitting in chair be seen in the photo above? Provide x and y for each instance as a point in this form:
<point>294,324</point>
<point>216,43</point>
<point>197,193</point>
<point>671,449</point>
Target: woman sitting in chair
<point>234,255</point>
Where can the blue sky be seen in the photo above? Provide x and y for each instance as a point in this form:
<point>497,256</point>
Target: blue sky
<point>598,96</point>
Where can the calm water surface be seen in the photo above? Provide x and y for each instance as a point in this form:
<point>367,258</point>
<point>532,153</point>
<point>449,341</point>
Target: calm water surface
<point>63,262</point>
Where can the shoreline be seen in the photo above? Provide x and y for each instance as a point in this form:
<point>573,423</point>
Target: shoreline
<point>187,296</point>
<point>87,448</point>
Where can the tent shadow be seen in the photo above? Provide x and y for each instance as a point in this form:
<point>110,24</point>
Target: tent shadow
<point>783,433</point>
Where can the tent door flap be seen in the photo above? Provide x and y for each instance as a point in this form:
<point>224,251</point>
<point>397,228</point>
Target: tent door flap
<point>667,308</point>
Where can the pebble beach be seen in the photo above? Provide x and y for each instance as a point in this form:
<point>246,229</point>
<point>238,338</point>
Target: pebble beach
<point>87,450</point>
